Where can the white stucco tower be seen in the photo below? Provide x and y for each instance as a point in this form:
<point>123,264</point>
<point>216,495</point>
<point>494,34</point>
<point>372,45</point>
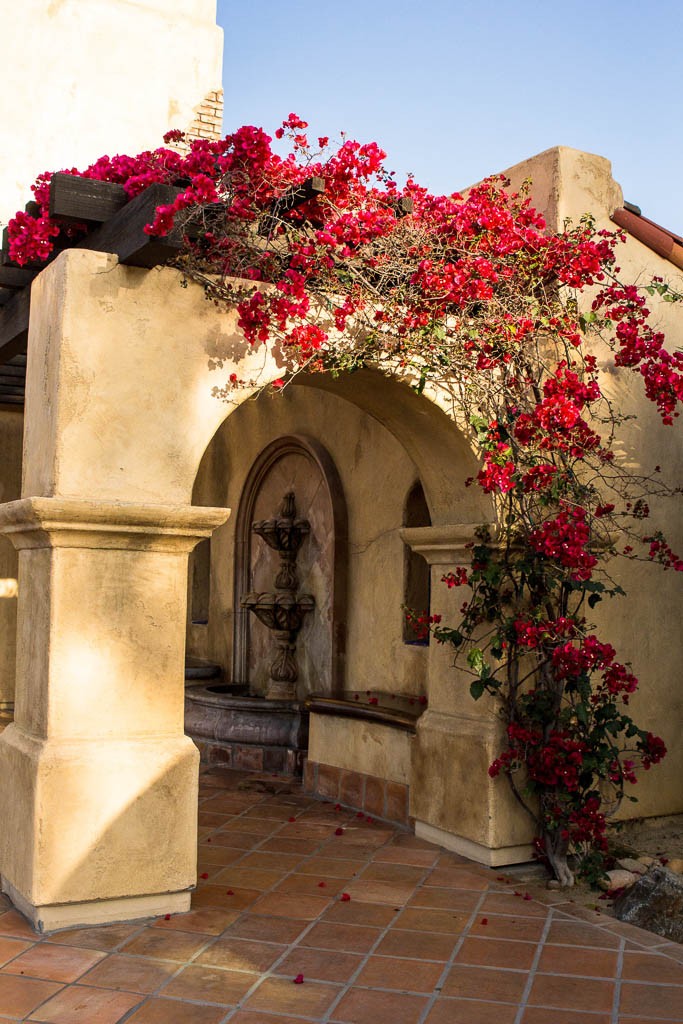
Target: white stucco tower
<point>87,77</point>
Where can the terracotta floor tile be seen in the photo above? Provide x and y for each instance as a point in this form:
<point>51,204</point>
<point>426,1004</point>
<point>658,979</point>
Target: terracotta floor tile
<point>282,844</point>
<point>278,904</point>
<point>486,983</point>
<point>81,1005</point>
<point>497,953</point>
<point>405,874</point>
<point>363,1006</point>
<point>245,1017</point>
<point>130,973</point>
<point>207,894</point>
<point>403,975</point>
<point>394,893</point>
<point>171,1011</point>
<point>166,945</point>
<point>568,994</point>
<point>535,1015</point>
<point>378,915</point>
<point>504,903</point>
<point>409,841</point>
<point>209,985</point>
<point>266,929</point>
<point>212,819</point>
<point>591,963</point>
<point>19,996</point>
<point>14,924</point>
<point>54,963</point>
<point>279,995</point>
<point>457,878</point>
<point>422,946</point>
<point>320,964</point>
<point>271,861</point>
<point>405,855</point>
<point>310,885</point>
<point>665,1001</point>
<point>229,803</point>
<point>331,867</point>
<point>422,919</point>
<point>474,1011</point>
<point>527,929</point>
<point>241,954</point>
<point>271,811</point>
<point>576,933</point>
<point>235,876</point>
<point>233,840</point>
<point>105,936</point>
<point>251,826</point>
<point>633,1020</point>
<point>209,853</point>
<point>652,967</point>
<point>9,948</point>
<point>350,938</point>
<point>464,900</point>
<point>310,830</point>
<point>206,920</point>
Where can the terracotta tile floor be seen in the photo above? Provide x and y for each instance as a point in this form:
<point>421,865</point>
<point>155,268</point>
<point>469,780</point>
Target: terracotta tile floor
<point>425,937</point>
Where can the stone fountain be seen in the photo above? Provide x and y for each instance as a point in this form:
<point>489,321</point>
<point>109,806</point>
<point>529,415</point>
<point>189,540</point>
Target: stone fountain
<point>282,611</point>
<point>246,731</point>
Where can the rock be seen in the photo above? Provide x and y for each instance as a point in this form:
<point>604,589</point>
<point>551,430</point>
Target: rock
<point>676,864</point>
<point>618,879</point>
<point>553,883</point>
<point>636,866</point>
<point>647,861</point>
<point>655,902</point>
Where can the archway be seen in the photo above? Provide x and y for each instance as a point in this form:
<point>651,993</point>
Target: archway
<point>119,410</point>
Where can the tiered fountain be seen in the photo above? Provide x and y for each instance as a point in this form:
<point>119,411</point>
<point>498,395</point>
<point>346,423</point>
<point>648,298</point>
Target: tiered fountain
<point>249,731</point>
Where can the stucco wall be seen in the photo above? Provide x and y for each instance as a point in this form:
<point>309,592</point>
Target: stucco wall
<point>376,474</point>
<point>87,77</point>
<point>11,433</point>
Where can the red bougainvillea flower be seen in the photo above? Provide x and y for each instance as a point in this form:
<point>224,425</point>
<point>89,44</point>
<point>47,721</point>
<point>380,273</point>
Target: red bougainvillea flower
<point>204,874</point>
<point>344,898</point>
<point>299,980</point>
<point>339,832</point>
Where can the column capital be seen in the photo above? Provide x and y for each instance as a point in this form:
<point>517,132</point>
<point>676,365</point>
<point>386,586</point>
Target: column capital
<point>84,523</point>
<point>444,545</point>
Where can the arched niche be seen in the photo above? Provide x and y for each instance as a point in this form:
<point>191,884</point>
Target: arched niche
<point>300,464</point>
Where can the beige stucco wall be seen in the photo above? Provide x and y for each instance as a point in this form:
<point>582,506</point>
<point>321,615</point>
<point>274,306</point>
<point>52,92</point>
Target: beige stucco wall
<point>11,433</point>
<point>366,747</point>
<point>87,77</point>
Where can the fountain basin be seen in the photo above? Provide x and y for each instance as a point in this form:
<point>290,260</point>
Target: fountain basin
<point>251,733</point>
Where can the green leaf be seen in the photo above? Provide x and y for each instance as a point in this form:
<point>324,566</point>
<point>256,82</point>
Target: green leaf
<point>477,688</point>
<point>593,600</point>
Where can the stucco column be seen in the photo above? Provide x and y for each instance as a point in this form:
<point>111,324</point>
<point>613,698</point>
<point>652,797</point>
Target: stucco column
<point>98,783</point>
<point>452,798</point>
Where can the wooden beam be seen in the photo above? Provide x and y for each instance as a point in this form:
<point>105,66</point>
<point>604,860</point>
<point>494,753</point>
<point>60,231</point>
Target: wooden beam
<point>404,206</point>
<point>15,277</point>
<point>14,325</point>
<point>297,196</point>
<point>75,200</point>
<point>124,233</point>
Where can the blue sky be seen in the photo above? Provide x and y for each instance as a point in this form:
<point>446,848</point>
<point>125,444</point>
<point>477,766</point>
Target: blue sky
<point>455,91</point>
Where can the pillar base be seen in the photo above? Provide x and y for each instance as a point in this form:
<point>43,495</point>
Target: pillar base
<point>56,916</point>
<point>474,851</point>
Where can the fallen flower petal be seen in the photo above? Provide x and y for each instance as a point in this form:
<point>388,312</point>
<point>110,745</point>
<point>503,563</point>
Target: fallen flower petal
<point>322,885</point>
<point>299,980</point>
<point>484,920</point>
<point>339,831</point>
<point>345,897</point>
<point>204,874</point>
<point>229,892</point>
<point>291,819</point>
<point>167,917</point>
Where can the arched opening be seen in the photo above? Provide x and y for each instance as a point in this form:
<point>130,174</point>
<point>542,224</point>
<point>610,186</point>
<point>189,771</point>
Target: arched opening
<point>416,575</point>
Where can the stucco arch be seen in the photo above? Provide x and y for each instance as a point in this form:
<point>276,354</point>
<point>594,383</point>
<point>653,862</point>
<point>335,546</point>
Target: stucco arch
<point>123,366</point>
